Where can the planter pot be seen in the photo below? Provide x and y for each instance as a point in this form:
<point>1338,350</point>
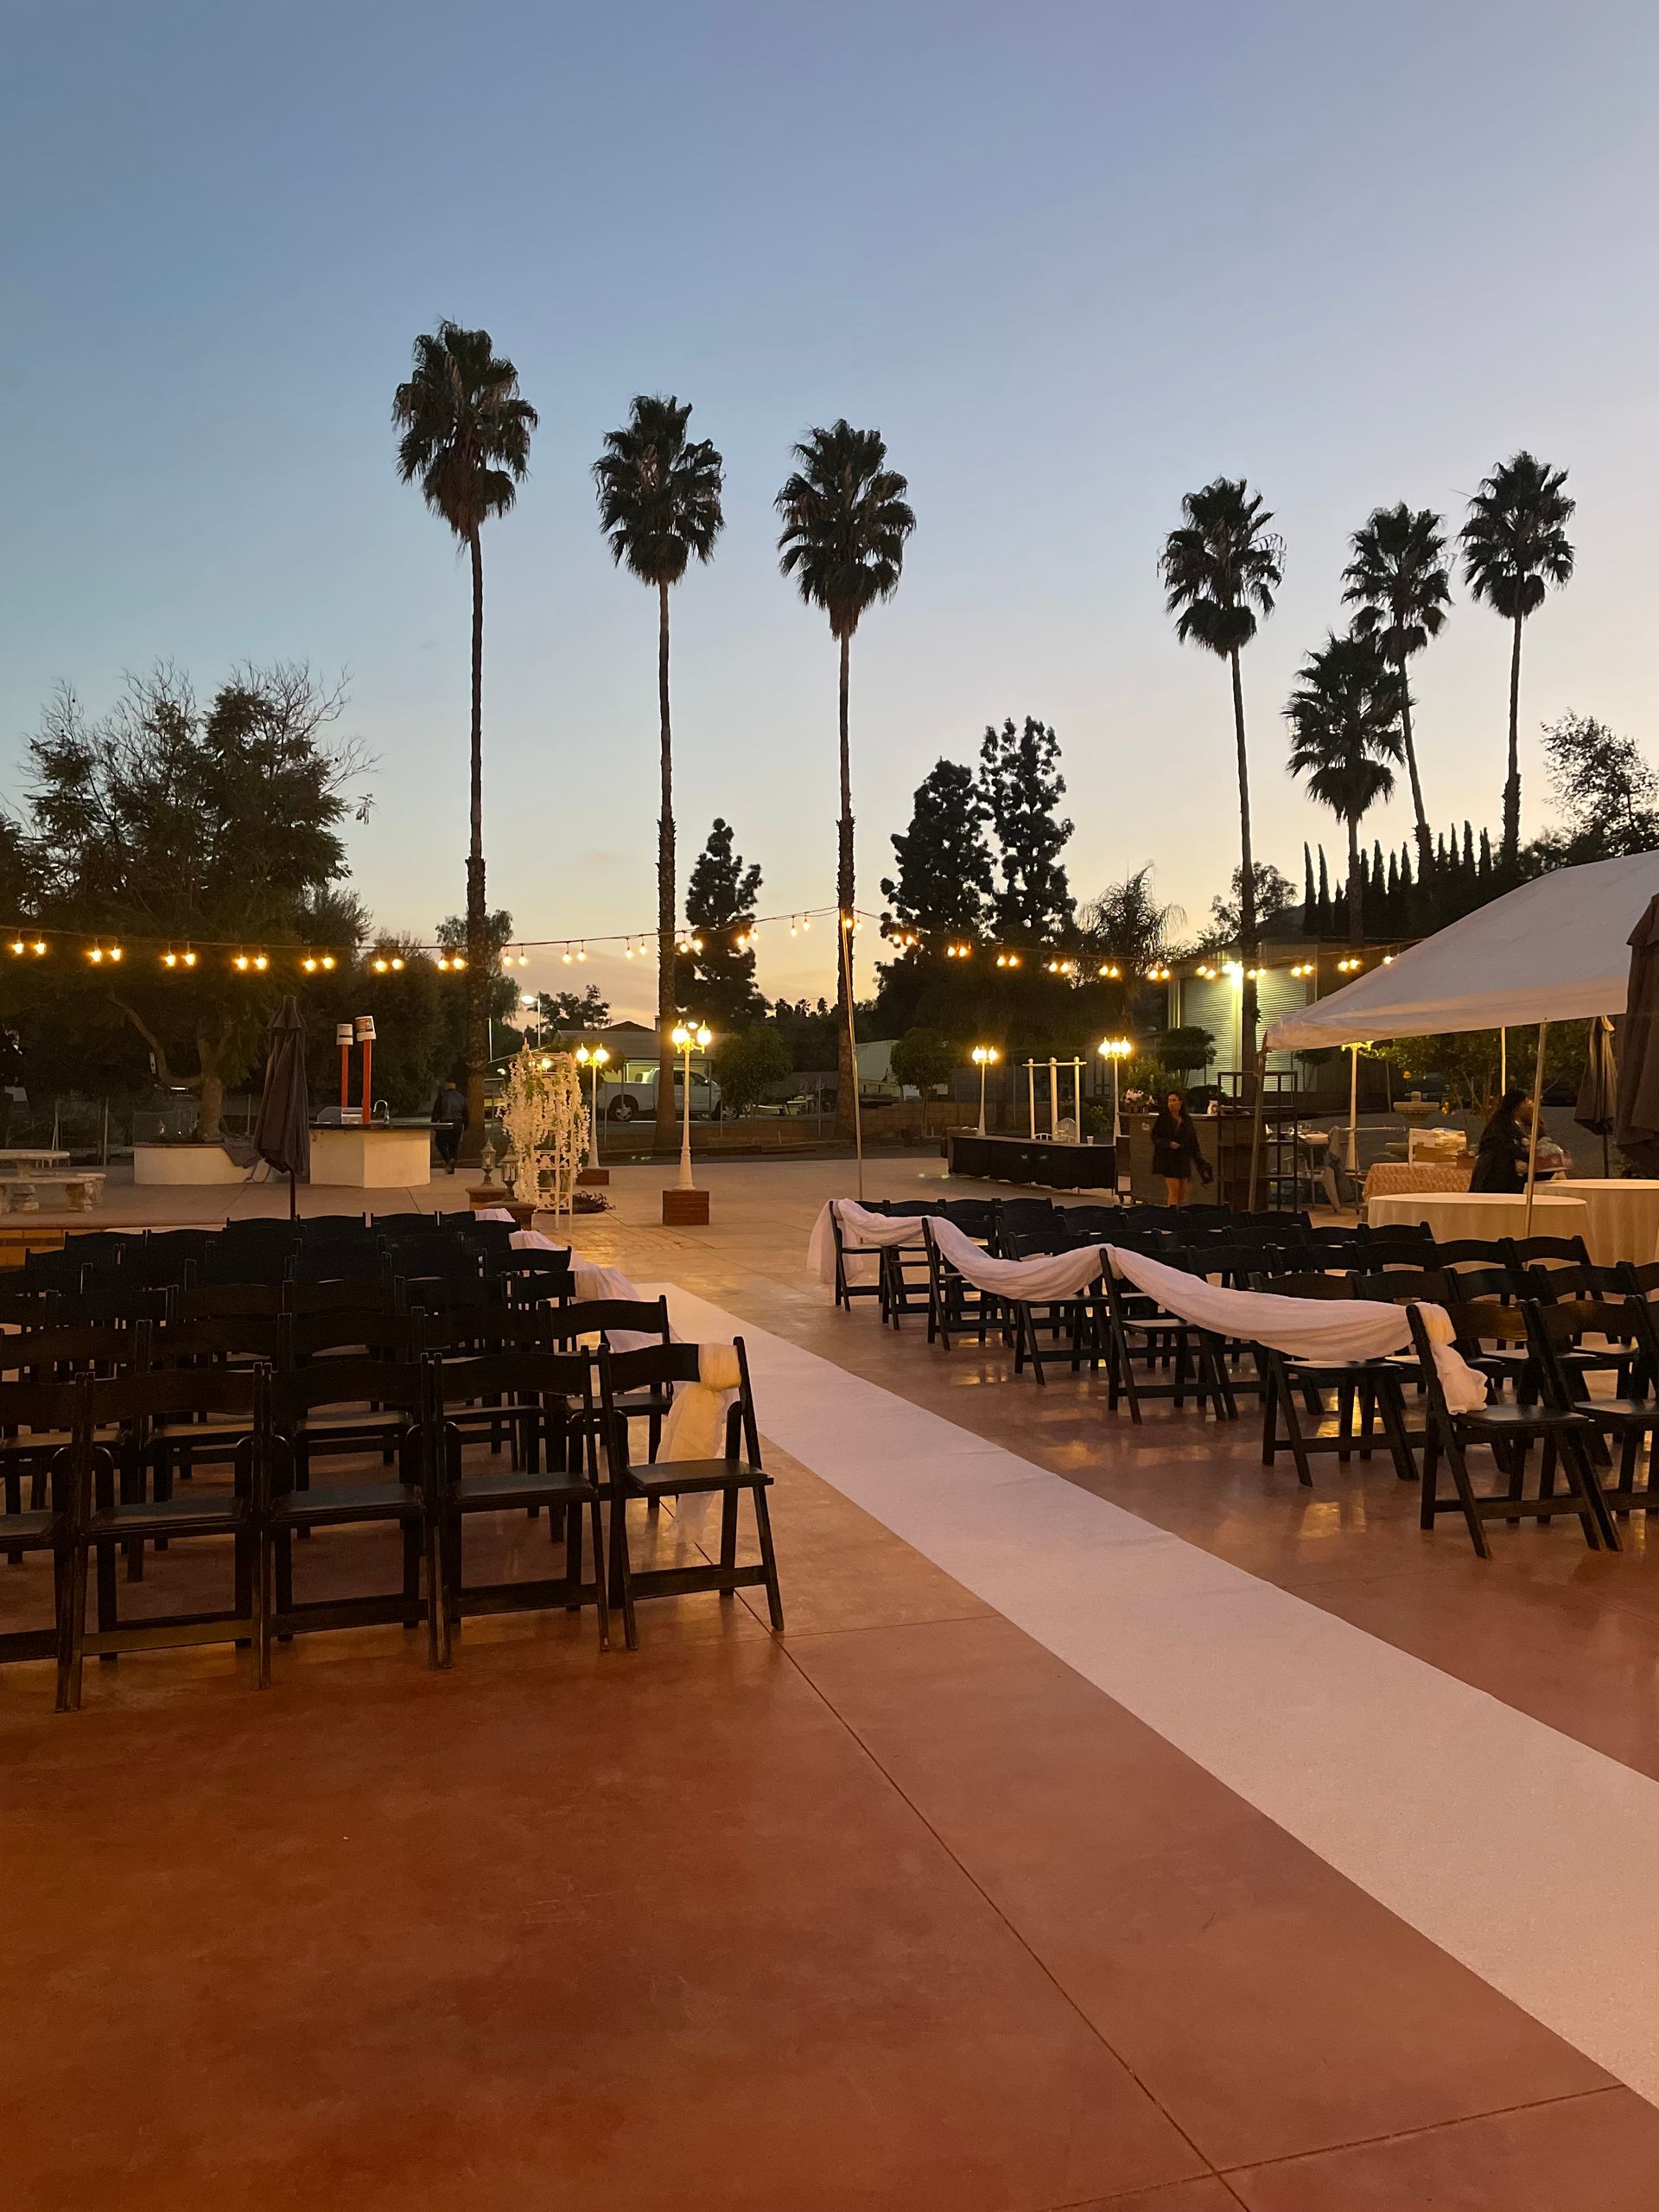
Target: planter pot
<point>685,1209</point>
<point>592,1175</point>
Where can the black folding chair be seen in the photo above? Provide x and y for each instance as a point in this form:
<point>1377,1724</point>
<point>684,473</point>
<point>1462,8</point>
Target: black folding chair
<point>1363,1389</point>
<point>54,1413</point>
<point>737,1472</point>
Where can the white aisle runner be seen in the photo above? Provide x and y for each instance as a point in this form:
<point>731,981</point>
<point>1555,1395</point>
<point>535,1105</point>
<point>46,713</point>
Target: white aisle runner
<point>1524,1854</point>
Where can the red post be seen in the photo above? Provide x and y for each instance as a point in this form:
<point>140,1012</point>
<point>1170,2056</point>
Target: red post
<point>343,1038</point>
<point>368,1092</point>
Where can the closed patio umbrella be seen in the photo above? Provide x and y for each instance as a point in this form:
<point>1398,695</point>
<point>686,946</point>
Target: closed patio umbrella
<point>1598,1102</point>
<point>282,1134</point>
<point>1637,1124</point>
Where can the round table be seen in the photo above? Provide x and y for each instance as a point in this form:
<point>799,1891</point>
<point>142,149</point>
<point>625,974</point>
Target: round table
<point>1485,1214</point>
<point>1623,1216</point>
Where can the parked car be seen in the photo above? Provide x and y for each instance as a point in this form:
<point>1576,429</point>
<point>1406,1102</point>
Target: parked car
<point>631,1097</point>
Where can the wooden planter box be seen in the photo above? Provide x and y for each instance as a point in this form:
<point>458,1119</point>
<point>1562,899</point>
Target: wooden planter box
<point>685,1209</point>
<point>590,1176</point>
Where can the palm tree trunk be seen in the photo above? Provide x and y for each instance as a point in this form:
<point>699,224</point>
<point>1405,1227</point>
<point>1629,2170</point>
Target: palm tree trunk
<point>1248,947</point>
<point>1425,843</point>
<point>846,1058</point>
<point>1356,888</point>
<point>1512,788</point>
<point>480,967</point>
<point>667,1133</point>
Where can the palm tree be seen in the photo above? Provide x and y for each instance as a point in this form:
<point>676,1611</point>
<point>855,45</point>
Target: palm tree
<point>1400,584</point>
<point>1514,547</point>
<point>1346,738</point>
<point>659,504</point>
<point>1220,569</point>
<point>465,436</point>
<point>845,523</point>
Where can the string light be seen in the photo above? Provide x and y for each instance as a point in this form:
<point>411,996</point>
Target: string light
<point>169,959</point>
<point>1303,967</point>
<point>242,961</point>
<point>1349,966</point>
<point>1111,975</point>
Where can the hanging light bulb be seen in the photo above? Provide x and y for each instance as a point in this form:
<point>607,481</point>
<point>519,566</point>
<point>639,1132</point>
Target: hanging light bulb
<point>187,957</point>
<point>379,965</point>
<point>242,961</point>
<point>310,963</point>
<point>396,961</point>
<point>115,952</point>
<point>96,955</point>
<point>38,947</point>
<point>581,950</point>
<point>261,961</point>
<point>327,959</point>
<point>18,945</point>
<point>169,959</point>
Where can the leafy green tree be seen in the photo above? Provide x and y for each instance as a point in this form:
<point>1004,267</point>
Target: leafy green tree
<point>846,523</point>
<point>583,1009</point>
<point>1346,740</point>
<point>1515,547</point>
<point>1128,925</point>
<point>1606,793</point>
<point>659,505</point>
<point>1020,776</point>
<point>944,864</point>
<point>1275,895</point>
<point>923,1059</point>
<point>1184,1048</point>
<point>1399,583</point>
<point>1221,568</point>
<point>465,435</point>
<point>718,982</point>
<point>500,996</point>
<point>747,1062</point>
<point>212,830</point>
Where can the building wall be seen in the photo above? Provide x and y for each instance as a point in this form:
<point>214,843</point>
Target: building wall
<point>1214,1005</point>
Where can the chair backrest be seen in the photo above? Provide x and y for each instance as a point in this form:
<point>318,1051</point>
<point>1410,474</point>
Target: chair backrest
<point>466,1331</point>
<point>101,1247</point>
<point>1030,1243</point>
<point>1399,1285</point>
<point>346,1294</point>
<point>975,1217</point>
<point>913,1208</point>
<point>355,1261</point>
<point>1307,1286</point>
<point>50,1271</point>
<point>1467,1283</point>
<point>1639,1277</point>
<point>215,1337</point>
<point>1333,1233</point>
<point>1091,1225</point>
<point>35,1403</point>
<point>302,1337</point>
<point>1554,1329</point>
<point>1524,1252</point>
<point>174,1393</point>
<point>32,1309</point>
<point>620,1372</point>
<point>254,1262</point>
<point>115,1300</point>
<point>1403,1247</point>
<point>399,1385</point>
<point>513,1372</point>
<point>1477,1320</point>
<point>532,1277</point>
<point>1206,1216</point>
<point>189,1242</point>
<point>421,1224</point>
<point>1471,1251</point>
<point>446,1293</point>
<point>601,1317</point>
<point>314,1227</point>
<point>227,1301</point>
<point>74,1350</point>
<point>1551,1284</point>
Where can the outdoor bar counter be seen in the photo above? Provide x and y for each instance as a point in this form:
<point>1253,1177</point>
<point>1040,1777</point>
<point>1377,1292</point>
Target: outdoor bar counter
<point>1033,1159</point>
<point>372,1159</point>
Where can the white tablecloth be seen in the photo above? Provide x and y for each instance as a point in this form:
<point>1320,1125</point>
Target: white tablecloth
<point>1482,1213</point>
<point>1624,1217</point>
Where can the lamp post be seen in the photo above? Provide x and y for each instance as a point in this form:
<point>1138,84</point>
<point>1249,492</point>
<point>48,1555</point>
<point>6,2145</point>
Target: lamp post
<point>984,1056</point>
<point>683,1038</point>
<point>1116,1049</point>
<point>593,1061</point>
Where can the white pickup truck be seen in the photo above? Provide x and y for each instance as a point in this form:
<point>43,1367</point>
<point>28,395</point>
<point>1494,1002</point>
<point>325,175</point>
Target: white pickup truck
<point>633,1097</point>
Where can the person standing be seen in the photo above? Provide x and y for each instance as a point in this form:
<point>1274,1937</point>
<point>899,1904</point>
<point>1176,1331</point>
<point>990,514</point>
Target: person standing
<point>449,1119</point>
<point>1175,1149</point>
<point>1501,1155</point>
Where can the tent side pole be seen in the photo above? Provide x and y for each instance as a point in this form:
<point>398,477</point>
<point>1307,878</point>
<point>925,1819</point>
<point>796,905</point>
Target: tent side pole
<point>1532,1137</point>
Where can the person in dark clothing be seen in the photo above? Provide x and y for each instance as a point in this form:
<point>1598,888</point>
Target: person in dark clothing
<point>1175,1151</point>
<point>449,1119</point>
<point>1501,1155</point>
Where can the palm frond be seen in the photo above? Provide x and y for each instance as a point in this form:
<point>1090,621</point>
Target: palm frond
<point>658,491</point>
<point>1515,543</point>
<point>466,428</point>
<point>1345,724</point>
<point>845,520</point>
<point>1221,567</point>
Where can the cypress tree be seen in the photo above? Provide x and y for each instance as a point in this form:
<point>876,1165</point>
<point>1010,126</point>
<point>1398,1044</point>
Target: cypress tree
<point>1310,919</point>
<point>1324,897</point>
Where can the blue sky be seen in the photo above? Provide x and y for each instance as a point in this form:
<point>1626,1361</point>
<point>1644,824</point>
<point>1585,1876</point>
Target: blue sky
<point>1071,259</point>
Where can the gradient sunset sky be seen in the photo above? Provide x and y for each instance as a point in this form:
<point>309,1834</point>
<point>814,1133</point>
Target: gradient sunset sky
<point>1072,260</point>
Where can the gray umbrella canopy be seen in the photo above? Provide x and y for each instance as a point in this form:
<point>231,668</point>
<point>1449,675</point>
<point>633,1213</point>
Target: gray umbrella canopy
<point>1598,1102</point>
<point>282,1134</point>
<point>1636,1122</point>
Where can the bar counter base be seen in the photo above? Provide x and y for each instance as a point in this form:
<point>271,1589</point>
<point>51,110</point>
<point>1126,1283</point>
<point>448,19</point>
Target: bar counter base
<point>1038,1160</point>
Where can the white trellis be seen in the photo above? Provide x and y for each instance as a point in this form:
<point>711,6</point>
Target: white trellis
<point>546,1124</point>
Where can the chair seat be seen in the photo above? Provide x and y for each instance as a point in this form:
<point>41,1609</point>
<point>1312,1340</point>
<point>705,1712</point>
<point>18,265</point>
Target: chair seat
<point>26,1531</point>
<point>350,1424</point>
<point>347,1502</point>
<point>481,1493</point>
<point>1509,1416</point>
<point>1624,1413</point>
<point>637,1405</point>
<point>667,1478</point>
<point>163,1516</point>
<point>200,1431</point>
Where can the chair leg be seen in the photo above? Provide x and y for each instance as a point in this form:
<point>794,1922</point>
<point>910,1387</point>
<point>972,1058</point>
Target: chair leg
<point>768,1559</point>
<point>1296,1440</point>
<point>1391,1407</point>
<point>439,1650</point>
<point>621,1577</point>
<point>601,1601</point>
<point>63,1615</point>
<point>263,1606</point>
<point>728,1541</point>
<point>69,1681</point>
<point>411,1573</point>
<point>1466,1490</point>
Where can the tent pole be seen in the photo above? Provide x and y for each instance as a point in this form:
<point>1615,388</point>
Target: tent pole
<point>1532,1136</point>
<point>1502,1061</point>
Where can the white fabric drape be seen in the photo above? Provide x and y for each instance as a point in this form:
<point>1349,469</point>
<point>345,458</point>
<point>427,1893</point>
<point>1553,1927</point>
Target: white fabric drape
<point>1338,1330</point>
<point>695,1425</point>
<point>859,1231</point>
<point>1049,1275</point>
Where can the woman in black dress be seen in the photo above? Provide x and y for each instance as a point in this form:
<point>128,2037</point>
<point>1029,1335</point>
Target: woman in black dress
<point>1175,1150</point>
<point>1501,1155</point>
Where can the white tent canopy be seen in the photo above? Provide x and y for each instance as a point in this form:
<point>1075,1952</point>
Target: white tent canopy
<point>1557,950</point>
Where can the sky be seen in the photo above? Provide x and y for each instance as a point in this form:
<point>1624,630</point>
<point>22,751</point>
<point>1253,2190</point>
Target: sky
<point>1072,260</point>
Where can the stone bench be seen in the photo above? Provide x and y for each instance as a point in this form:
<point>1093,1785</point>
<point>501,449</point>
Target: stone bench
<point>82,1188</point>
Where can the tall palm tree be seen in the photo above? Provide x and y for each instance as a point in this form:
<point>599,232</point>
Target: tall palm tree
<point>845,524</point>
<point>1345,740</point>
<point>1514,547</point>
<point>1399,583</point>
<point>466,435</point>
<point>1220,569</point>
<point>659,504</point>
